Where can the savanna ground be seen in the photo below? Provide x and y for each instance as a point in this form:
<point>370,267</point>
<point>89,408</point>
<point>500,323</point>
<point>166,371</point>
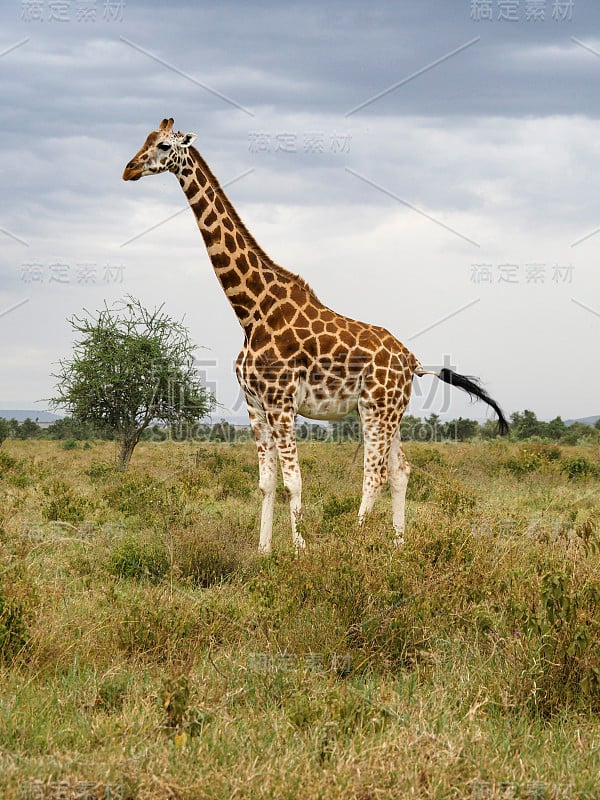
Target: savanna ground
<point>147,651</point>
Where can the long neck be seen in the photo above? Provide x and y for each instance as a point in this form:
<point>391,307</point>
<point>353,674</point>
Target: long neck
<point>251,281</point>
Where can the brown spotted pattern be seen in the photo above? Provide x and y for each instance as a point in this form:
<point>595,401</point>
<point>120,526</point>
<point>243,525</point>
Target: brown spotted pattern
<point>298,356</point>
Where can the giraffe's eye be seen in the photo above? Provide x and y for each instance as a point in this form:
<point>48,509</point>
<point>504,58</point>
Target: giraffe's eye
<point>164,146</point>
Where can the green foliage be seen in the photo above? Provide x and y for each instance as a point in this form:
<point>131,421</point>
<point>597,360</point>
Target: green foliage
<point>112,692</point>
<point>559,648</point>
<point>140,558</point>
<point>162,630</point>
<point>28,429</point>
<point>425,456</point>
<point>234,479</point>
<point>525,424</point>
<point>62,503</point>
<point>6,463</point>
<point>131,367</point>
<point>532,457</point>
<point>335,506</point>
<point>12,429</point>
<point>154,502</point>
<point>69,429</point>
<point>580,433</point>
<point>579,467</point>
<point>454,497</point>
<point>461,430</point>
<point>204,563</point>
<point>13,632</point>
<point>100,471</point>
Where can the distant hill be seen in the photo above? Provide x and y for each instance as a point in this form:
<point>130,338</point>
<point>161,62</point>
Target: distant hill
<point>20,415</point>
<point>586,420</point>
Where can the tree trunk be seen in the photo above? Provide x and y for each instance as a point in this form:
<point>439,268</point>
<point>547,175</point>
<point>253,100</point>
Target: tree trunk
<point>128,444</point>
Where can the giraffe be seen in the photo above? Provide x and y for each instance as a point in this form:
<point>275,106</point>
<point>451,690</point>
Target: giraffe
<point>298,356</point>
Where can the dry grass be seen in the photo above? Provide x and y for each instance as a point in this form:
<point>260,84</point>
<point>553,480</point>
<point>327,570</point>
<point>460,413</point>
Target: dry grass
<point>146,651</point>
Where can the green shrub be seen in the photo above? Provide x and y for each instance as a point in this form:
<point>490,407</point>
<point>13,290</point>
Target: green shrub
<point>163,629</point>
<point>527,460</point>
<point>112,692</point>
<point>13,633</point>
<point>424,456</point>
<point>336,506</point>
<point>140,558</point>
<point>205,563</point>
<point>453,497</point>
<point>578,467</point>
<point>130,493</point>
<point>158,504</point>
<point>557,648</point>
<point>63,504</point>
<point>100,471</point>
<point>6,463</point>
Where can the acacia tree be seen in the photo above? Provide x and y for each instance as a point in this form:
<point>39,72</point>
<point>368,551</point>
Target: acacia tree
<point>131,367</point>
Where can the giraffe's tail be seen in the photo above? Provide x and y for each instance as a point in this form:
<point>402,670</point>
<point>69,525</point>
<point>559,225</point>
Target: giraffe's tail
<point>472,387</point>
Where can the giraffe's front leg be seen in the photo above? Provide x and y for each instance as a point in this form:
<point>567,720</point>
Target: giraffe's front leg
<point>267,467</point>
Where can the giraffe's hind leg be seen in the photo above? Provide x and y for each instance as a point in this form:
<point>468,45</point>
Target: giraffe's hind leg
<point>377,443</point>
<point>398,474</point>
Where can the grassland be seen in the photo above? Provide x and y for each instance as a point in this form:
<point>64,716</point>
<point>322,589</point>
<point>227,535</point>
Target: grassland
<point>147,651</point>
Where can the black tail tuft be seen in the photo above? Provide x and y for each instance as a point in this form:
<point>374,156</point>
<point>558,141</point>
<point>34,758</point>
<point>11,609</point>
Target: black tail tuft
<point>472,387</point>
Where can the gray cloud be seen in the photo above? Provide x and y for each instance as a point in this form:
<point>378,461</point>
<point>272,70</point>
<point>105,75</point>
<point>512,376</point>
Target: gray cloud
<point>497,142</point>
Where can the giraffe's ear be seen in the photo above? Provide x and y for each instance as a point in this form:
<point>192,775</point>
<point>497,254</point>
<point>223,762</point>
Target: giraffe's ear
<point>188,139</point>
<point>166,124</point>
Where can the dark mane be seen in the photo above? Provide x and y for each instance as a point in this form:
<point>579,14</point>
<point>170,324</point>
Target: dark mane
<point>266,260</point>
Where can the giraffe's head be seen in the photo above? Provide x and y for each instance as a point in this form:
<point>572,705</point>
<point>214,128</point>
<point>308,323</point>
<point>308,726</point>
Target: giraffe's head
<point>163,151</point>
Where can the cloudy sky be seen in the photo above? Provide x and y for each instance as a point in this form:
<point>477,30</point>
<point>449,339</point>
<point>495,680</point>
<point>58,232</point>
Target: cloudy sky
<point>428,166</point>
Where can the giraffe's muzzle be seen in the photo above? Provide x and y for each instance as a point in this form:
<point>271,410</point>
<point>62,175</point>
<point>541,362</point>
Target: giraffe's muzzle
<point>131,172</point>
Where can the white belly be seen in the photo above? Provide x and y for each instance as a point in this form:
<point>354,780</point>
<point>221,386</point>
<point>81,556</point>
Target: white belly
<point>315,404</point>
